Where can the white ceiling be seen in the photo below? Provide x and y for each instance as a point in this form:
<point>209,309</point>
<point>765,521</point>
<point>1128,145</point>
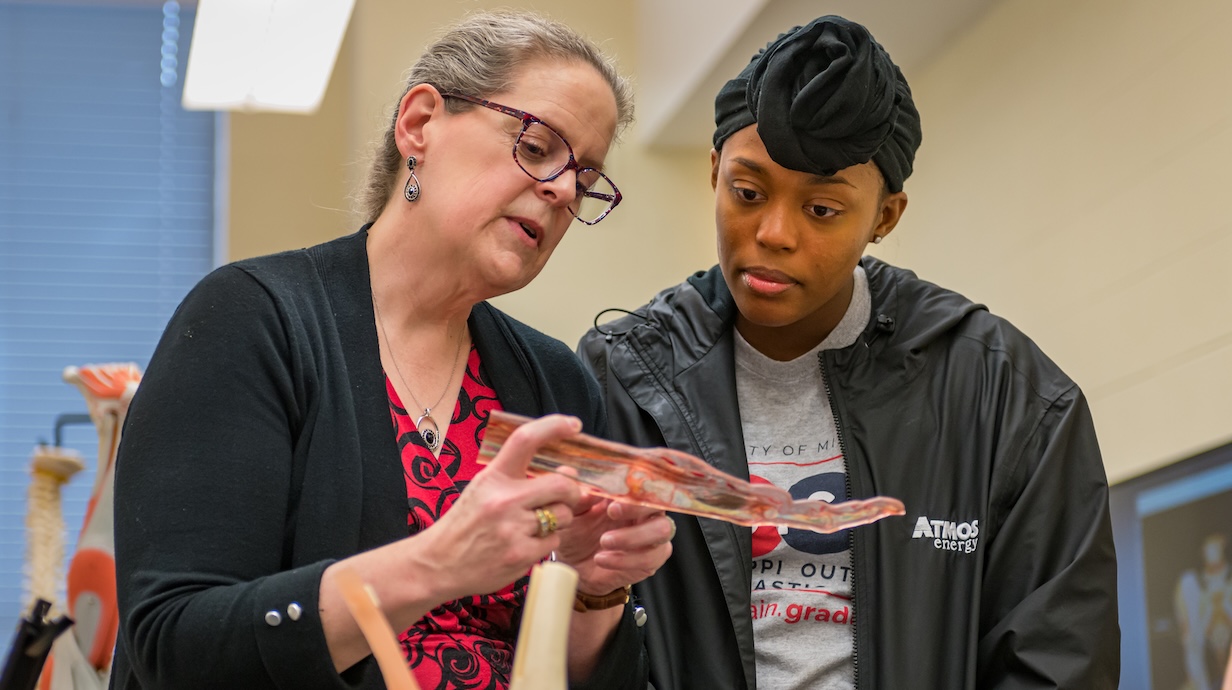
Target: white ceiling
<point>688,49</point>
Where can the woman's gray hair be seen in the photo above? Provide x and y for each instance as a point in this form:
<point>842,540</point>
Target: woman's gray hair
<point>480,56</point>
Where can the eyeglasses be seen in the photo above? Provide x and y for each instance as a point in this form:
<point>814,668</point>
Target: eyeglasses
<point>543,153</point>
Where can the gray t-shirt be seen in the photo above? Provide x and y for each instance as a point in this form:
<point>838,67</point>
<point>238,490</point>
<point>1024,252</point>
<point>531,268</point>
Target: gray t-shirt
<point>801,588</point>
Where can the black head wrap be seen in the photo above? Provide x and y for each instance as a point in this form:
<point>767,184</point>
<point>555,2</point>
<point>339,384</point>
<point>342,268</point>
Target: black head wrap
<point>824,97</point>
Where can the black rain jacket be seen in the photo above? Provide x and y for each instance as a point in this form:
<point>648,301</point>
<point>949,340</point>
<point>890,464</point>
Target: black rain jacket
<point>1002,573</point>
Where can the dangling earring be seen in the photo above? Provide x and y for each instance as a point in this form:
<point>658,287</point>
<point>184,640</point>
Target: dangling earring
<point>876,238</point>
<point>412,184</point>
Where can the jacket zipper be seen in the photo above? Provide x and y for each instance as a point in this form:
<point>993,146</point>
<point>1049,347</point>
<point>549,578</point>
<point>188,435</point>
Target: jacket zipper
<point>851,534</point>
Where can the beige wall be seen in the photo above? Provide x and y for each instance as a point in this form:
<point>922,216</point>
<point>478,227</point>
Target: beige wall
<point>292,174</point>
<point>288,174</point>
<point>1073,177</point>
<point>1072,174</point>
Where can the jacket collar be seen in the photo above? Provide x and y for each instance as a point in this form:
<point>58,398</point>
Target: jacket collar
<point>897,334</point>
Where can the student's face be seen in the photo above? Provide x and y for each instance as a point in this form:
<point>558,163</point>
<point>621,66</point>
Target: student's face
<point>788,241</point>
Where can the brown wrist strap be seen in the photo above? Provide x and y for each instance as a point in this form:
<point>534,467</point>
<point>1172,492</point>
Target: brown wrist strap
<point>588,602</point>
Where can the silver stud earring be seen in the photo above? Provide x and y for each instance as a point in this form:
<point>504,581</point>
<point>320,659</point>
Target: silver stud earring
<point>877,239</point>
<point>412,184</point>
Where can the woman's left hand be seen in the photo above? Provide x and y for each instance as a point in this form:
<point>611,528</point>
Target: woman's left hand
<point>614,544</point>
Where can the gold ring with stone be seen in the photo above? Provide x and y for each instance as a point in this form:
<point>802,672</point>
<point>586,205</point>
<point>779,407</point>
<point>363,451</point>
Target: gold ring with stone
<point>547,522</point>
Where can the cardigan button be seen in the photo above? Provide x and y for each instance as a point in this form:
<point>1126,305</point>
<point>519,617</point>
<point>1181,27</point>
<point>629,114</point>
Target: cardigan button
<point>294,611</point>
<point>273,618</point>
<point>639,616</point>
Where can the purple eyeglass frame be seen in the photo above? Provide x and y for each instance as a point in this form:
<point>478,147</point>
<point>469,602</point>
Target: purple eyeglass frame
<point>528,120</point>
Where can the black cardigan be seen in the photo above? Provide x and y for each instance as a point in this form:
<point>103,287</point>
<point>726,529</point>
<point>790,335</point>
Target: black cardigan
<point>258,450</point>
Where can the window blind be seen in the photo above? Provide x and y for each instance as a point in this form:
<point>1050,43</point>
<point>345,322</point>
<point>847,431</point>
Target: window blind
<point>106,221</point>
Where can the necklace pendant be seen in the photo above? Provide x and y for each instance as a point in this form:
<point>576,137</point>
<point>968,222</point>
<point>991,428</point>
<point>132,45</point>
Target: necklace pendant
<point>432,434</point>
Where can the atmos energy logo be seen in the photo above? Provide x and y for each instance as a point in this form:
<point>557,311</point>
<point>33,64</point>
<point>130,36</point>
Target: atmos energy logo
<point>948,536</point>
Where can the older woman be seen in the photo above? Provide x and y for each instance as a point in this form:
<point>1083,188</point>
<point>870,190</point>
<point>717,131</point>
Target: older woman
<point>324,407</point>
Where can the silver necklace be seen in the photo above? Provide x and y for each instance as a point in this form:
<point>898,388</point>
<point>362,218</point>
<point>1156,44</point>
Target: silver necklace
<point>432,436</point>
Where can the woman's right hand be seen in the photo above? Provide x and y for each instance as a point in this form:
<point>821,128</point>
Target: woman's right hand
<point>486,540</point>
<point>489,537</point>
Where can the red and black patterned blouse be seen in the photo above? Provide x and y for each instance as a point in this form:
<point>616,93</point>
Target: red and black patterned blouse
<point>466,643</point>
